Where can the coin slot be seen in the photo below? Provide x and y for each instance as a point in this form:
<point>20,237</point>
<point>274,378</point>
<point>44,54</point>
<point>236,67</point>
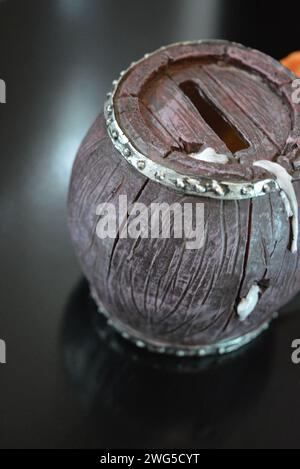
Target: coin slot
<point>227,133</point>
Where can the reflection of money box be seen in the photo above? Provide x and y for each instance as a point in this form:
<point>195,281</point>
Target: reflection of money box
<point>207,122</point>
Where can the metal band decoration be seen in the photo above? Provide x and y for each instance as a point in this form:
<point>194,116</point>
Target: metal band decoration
<point>184,183</point>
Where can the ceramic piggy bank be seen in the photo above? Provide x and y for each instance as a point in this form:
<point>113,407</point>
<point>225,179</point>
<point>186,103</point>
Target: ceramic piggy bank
<point>209,130</point>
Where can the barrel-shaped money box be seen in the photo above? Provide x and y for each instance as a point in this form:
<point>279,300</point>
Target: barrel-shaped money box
<point>209,130</point>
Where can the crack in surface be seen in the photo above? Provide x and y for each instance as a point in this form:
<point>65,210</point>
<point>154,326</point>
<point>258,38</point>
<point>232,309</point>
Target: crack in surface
<point>245,262</point>
<point>117,238</point>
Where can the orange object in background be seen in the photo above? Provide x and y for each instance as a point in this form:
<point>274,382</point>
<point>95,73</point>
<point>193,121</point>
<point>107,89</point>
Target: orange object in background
<point>292,61</point>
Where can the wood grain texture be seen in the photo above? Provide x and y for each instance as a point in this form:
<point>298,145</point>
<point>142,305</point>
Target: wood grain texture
<point>160,289</point>
<point>156,288</point>
<point>254,95</point>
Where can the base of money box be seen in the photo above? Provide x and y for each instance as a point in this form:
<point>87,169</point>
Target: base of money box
<point>158,346</point>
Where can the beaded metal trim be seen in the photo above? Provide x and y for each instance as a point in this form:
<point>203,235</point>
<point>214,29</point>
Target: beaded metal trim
<point>201,186</point>
<point>219,348</point>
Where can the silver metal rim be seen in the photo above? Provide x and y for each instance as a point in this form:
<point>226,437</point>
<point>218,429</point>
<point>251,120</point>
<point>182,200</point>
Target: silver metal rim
<point>183,183</point>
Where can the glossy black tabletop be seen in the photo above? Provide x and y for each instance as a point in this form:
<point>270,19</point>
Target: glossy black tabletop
<point>69,381</point>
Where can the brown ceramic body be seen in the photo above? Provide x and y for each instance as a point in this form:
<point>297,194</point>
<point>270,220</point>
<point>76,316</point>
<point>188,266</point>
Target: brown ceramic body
<point>157,290</point>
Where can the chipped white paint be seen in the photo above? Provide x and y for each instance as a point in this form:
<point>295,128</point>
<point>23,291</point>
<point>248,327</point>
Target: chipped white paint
<point>286,204</point>
<point>284,180</point>
<point>210,156</point>
<point>247,304</point>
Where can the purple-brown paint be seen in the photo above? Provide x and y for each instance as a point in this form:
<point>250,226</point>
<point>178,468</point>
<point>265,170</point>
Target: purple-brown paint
<point>155,289</point>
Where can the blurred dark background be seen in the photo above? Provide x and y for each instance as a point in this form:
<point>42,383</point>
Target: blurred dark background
<point>69,381</point>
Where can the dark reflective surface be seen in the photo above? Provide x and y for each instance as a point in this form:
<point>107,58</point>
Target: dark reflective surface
<point>137,398</point>
<point>69,381</point>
